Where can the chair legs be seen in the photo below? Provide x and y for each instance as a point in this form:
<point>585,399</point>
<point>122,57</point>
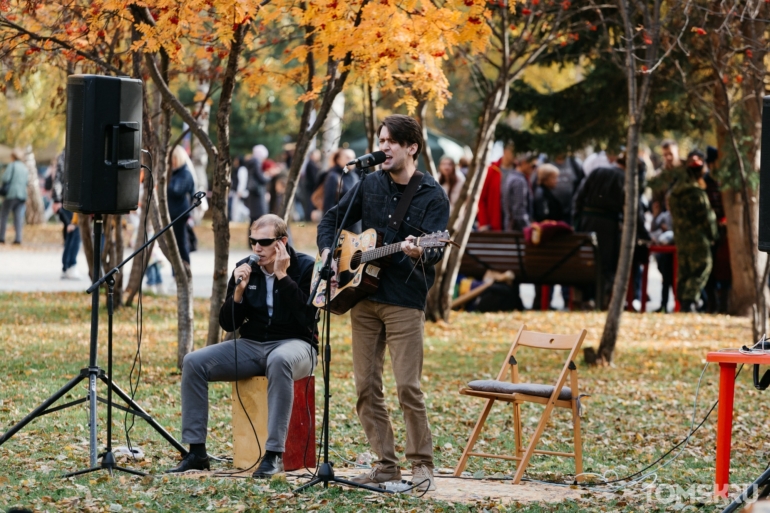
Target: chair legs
<point>517,428</point>
<point>578,442</point>
<point>474,436</point>
<point>522,466</point>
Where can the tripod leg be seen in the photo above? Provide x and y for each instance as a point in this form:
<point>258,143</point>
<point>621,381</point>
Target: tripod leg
<point>41,409</point>
<point>130,402</point>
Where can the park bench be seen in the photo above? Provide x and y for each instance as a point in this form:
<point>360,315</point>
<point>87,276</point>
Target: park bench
<point>570,259</point>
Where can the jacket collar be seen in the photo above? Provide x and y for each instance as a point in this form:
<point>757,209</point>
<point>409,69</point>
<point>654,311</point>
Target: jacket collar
<point>427,179</point>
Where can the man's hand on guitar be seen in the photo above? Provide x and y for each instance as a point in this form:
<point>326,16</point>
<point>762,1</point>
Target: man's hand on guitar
<point>410,249</point>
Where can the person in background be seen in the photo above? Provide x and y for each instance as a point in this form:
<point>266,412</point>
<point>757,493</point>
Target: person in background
<point>256,182</point>
<point>568,180</point>
<point>517,198</point>
<point>464,164</point>
<point>16,176</point>
<point>547,205</point>
<point>598,208</point>
<point>695,225</point>
<point>490,212</point>
<point>180,190</point>
<point>71,233</point>
<point>332,177</point>
<point>662,233</point>
<point>451,180</point>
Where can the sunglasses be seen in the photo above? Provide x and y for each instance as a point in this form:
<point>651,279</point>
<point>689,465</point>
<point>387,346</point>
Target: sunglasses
<point>263,242</point>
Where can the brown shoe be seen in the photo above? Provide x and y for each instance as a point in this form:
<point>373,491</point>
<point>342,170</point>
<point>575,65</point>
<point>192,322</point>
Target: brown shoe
<point>423,480</point>
<point>377,475</point>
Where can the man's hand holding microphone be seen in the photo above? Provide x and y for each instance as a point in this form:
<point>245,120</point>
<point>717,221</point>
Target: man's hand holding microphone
<point>242,274</point>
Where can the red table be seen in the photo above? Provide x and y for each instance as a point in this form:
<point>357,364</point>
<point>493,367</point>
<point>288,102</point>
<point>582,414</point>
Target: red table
<point>728,361</point>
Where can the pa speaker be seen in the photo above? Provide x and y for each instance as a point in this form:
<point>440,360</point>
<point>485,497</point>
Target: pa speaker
<point>102,153</point>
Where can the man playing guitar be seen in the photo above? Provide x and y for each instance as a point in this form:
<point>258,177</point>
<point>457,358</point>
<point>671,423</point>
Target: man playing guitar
<point>394,316</point>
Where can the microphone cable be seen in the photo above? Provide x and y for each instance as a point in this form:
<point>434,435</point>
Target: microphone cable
<point>137,360</point>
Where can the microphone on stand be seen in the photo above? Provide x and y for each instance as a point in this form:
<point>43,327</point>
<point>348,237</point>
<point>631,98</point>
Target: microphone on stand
<point>253,260</point>
<point>370,159</point>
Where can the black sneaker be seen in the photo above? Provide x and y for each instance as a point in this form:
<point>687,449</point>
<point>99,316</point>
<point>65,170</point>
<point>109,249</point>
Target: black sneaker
<point>191,462</point>
<point>270,465</point>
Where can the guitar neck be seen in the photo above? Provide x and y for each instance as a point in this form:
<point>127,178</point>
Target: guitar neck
<point>382,251</point>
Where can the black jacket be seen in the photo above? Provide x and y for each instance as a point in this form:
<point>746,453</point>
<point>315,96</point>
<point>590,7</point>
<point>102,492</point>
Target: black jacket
<point>405,282</point>
<point>292,318</point>
<point>547,206</point>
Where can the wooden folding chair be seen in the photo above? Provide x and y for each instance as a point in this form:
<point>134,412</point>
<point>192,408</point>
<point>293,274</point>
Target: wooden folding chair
<point>515,392</point>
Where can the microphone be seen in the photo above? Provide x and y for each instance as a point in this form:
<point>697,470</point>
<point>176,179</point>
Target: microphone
<point>368,160</point>
<point>253,260</point>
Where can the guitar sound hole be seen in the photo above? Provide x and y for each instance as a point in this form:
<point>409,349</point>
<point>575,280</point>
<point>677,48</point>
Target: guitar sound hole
<point>355,260</point>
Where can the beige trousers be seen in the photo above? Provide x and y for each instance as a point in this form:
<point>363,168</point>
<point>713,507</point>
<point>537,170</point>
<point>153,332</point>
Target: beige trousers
<point>375,326</point>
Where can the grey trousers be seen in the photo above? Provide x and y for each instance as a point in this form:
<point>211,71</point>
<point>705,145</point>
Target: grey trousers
<point>282,361</point>
<point>17,206</point>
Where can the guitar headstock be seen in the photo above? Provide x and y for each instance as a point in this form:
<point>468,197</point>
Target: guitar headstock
<point>433,240</point>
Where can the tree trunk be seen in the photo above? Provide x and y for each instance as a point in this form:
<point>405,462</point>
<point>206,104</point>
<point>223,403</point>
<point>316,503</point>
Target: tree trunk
<point>637,100</point>
<point>161,218</point>
<point>87,238</point>
<point>221,187</point>
<point>198,154</point>
<point>370,117</point>
<point>427,154</point>
<point>332,130</point>
<point>35,211</point>
<point>743,289</point>
<point>440,296</point>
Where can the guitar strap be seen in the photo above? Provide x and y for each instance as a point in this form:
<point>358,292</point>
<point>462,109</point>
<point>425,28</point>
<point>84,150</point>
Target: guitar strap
<point>406,199</point>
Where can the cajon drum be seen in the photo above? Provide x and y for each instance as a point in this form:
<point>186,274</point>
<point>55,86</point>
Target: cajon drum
<point>300,441</point>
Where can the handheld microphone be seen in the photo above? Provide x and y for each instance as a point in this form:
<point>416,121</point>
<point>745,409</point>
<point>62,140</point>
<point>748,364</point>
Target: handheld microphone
<point>368,160</point>
<point>253,260</point>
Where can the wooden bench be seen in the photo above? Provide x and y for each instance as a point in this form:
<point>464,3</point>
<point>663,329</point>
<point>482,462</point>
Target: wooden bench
<point>569,259</point>
<point>300,441</point>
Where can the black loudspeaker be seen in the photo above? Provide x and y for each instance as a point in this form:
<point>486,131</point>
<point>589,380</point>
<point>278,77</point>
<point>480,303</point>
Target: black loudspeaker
<point>764,180</point>
<point>104,135</point>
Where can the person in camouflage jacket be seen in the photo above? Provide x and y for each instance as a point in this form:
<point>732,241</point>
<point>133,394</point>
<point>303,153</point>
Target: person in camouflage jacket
<point>695,229</point>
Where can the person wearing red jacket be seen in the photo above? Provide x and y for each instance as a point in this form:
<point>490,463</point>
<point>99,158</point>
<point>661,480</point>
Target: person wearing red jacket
<point>490,213</point>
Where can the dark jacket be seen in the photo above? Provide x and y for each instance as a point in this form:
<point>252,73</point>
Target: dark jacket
<point>331,186</point>
<point>181,188</point>
<point>405,282</point>
<point>292,318</point>
<point>548,206</point>
<point>602,194</point>
<point>256,184</point>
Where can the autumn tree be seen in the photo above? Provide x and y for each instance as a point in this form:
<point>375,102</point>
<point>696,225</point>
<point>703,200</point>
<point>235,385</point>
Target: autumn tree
<point>503,39</point>
<point>727,48</point>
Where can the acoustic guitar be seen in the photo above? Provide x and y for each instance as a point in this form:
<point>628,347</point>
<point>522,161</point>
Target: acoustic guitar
<point>357,271</point>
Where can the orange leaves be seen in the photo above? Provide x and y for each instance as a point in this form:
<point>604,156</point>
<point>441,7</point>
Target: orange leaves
<point>698,30</point>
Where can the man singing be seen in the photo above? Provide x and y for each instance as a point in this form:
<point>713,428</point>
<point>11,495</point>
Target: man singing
<point>278,341</point>
<point>393,317</point>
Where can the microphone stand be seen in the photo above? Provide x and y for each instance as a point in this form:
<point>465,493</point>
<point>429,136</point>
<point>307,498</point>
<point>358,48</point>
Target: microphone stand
<point>94,372</point>
<point>325,472</point>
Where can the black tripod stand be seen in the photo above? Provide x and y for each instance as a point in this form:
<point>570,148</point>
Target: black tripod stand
<point>94,372</point>
<point>325,472</point>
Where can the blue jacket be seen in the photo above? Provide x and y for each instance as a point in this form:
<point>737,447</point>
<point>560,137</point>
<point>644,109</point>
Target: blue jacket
<point>404,282</point>
<point>181,188</point>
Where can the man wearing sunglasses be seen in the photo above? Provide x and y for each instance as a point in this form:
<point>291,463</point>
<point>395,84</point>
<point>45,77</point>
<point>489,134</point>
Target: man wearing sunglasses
<point>267,304</point>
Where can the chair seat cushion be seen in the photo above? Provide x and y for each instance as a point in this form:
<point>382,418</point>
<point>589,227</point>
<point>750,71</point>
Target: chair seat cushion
<point>503,387</point>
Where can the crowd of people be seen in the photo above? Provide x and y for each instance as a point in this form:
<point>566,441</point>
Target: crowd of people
<point>679,204</point>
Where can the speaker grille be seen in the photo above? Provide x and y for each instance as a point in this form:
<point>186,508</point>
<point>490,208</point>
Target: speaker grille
<point>73,163</point>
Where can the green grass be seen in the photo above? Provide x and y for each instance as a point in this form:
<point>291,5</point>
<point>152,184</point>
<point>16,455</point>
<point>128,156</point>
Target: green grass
<point>638,409</point>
